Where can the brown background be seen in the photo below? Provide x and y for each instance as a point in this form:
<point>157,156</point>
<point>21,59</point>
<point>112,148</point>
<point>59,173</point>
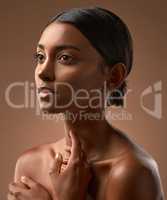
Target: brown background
<point>20,28</point>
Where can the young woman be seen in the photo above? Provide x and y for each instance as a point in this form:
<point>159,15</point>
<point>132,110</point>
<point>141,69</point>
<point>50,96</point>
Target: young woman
<point>81,53</point>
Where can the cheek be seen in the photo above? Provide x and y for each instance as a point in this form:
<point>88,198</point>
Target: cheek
<point>90,79</point>
<point>72,79</point>
<point>85,77</point>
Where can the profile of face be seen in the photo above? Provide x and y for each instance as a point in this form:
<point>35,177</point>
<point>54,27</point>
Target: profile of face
<point>69,65</point>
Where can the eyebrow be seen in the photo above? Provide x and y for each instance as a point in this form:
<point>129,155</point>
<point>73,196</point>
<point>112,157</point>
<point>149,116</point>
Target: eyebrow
<point>60,47</point>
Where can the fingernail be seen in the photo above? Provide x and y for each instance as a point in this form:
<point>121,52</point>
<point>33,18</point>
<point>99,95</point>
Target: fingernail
<point>58,156</point>
<point>71,133</point>
<point>23,179</point>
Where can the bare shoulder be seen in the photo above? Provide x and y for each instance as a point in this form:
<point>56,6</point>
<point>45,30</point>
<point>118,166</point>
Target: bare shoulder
<point>35,159</point>
<point>135,176</point>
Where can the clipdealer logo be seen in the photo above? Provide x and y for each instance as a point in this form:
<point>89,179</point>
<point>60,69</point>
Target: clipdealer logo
<point>30,97</point>
<point>31,101</point>
<point>156,91</point>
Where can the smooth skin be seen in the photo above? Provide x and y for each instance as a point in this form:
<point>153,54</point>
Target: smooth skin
<point>77,173</point>
<point>109,166</point>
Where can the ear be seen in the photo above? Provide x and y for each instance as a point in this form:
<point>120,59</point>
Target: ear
<point>116,75</point>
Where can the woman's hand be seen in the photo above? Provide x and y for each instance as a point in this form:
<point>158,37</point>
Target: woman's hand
<point>27,189</point>
<point>72,183</point>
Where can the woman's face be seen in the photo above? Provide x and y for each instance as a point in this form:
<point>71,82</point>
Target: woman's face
<point>69,65</point>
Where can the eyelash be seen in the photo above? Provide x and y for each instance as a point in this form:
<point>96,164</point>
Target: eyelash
<point>40,60</point>
<point>36,57</point>
<point>70,59</point>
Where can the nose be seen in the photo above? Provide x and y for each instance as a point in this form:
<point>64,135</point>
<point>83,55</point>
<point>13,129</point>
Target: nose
<point>46,73</point>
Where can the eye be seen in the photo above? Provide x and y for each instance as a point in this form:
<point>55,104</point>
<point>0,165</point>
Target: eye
<point>39,57</point>
<point>66,59</point>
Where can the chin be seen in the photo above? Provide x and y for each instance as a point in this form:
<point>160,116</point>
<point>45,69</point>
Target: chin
<point>50,109</point>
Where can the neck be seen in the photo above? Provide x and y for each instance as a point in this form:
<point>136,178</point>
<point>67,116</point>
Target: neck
<point>94,134</point>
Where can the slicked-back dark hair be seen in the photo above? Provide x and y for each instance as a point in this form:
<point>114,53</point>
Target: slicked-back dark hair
<point>108,34</point>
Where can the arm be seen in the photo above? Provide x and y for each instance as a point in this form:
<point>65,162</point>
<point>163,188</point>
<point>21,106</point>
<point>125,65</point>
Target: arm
<point>139,183</point>
<point>73,182</point>
<point>26,188</point>
<point>70,184</point>
<point>21,168</point>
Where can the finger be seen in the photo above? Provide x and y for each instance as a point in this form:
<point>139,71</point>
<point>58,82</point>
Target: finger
<point>84,157</point>
<point>29,182</point>
<point>14,188</point>
<point>15,195</point>
<point>56,167</point>
<point>56,164</point>
<point>75,149</point>
<point>21,185</point>
<point>10,196</point>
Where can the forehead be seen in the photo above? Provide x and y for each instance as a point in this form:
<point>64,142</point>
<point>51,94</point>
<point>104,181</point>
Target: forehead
<point>63,33</point>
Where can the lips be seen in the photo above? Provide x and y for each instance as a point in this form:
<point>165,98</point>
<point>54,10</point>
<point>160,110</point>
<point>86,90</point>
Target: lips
<point>46,90</point>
